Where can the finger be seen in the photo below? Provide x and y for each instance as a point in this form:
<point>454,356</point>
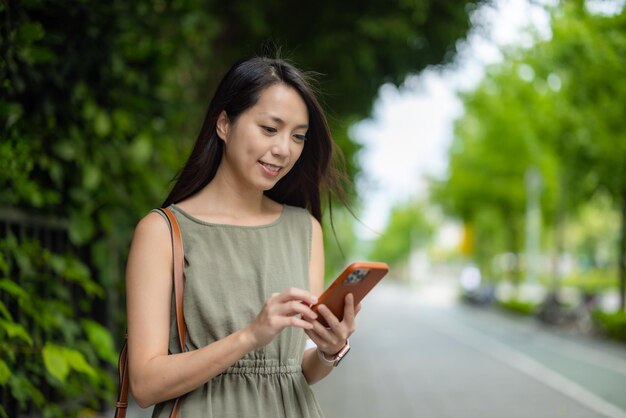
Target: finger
<point>357,309</point>
<point>329,317</point>
<point>295,307</point>
<point>295,322</point>
<point>314,336</point>
<point>348,308</point>
<point>324,334</point>
<point>297,294</point>
<point>320,341</point>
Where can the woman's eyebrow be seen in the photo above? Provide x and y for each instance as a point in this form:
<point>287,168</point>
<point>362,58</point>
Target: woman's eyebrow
<point>282,122</point>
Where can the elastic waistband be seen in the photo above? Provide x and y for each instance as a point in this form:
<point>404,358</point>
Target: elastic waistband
<point>263,367</point>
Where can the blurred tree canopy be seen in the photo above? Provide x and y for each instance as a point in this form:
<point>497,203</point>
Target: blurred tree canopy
<point>408,228</point>
<point>557,107</point>
<point>100,105</point>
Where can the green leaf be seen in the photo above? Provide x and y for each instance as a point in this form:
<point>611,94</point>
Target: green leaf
<point>102,124</point>
<point>59,361</point>
<point>13,289</point>
<point>40,55</point>
<point>4,267</point>
<point>16,330</point>
<point>56,361</point>
<point>77,362</point>
<point>58,264</point>
<point>91,177</point>
<point>65,150</point>
<point>78,273</point>
<point>24,391</point>
<point>31,31</point>
<point>100,339</point>
<point>5,373</point>
<point>13,114</point>
<point>5,312</point>
<point>24,262</point>
<point>81,229</point>
<point>141,149</point>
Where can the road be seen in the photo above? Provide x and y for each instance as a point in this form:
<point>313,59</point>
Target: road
<point>421,354</point>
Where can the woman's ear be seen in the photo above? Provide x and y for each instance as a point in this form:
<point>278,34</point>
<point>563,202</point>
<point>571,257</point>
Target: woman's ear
<point>222,127</point>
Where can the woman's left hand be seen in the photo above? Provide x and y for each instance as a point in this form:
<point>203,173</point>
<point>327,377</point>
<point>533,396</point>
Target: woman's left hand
<point>332,339</point>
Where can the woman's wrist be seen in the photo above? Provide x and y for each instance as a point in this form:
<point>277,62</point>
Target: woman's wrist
<point>248,339</point>
<point>332,360</point>
<point>333,352</point>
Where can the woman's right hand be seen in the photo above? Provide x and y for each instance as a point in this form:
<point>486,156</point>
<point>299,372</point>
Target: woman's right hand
<point>282,310</point>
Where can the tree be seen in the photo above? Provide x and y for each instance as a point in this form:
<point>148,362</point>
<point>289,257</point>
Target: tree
<point>494,146</point>
<point>408,228</point>
<point>586,57</point>
<point>563,113</point>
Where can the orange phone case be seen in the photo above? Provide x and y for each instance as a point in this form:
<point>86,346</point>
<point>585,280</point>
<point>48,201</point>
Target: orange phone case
<point>358,278</point>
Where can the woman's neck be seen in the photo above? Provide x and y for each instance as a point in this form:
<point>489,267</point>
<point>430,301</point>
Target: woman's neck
<point>224,201</point>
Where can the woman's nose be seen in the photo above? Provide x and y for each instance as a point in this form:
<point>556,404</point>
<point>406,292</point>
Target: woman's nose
<point>281,145</point>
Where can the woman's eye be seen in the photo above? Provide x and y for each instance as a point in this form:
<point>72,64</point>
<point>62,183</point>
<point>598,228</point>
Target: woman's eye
<point>300,137</point>
<point>269,129</point>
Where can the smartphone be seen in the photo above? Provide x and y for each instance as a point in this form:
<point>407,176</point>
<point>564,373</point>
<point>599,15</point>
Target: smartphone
<point>358,278</point>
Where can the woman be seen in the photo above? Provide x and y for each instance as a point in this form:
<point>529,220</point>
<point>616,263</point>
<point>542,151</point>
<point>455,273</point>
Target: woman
<point>248,203</point>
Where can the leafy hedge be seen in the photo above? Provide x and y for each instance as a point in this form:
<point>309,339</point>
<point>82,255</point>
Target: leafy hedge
<point>53,350</point>
<point>86,138</point>
<point>518,306</point>
<point>612,324</point>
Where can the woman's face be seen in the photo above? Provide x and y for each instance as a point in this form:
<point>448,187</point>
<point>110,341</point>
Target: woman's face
<point>266,140</point>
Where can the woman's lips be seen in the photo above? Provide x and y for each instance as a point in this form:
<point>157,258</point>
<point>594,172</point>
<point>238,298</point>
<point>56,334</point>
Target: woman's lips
<point>270,169</point>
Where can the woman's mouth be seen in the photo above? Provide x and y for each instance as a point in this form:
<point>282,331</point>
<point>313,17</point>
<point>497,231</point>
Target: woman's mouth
<point>270,169</point>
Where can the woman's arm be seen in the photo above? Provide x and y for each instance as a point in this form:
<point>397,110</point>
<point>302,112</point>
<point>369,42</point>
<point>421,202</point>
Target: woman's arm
<point>328,340</point>
<point>156,376</point>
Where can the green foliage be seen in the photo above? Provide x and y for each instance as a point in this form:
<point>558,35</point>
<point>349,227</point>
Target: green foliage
<point>48,347</point>
<point>557,107</point>
<point>612,324</point>
<point>339,241</point>
<point>493,149</point>
<point>518,307</point>
<point>408,228</point>
<point>592,233</point>
<point>59,361</point>
<point>593,281</point>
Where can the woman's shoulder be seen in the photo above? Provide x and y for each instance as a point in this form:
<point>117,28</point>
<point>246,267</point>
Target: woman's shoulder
<point>302,216</point>
<point>151,226</point>
<point>295,210</point>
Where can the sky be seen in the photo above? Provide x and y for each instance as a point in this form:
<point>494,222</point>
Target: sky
<point>407,137</point>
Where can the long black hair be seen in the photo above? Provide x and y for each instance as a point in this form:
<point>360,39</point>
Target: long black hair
<point>312,175</point>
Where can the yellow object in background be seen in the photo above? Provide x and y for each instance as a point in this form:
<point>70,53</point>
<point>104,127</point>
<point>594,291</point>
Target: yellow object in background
<point>466,246</point>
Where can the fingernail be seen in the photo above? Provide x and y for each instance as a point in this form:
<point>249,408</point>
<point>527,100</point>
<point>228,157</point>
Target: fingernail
<point>314,299</point>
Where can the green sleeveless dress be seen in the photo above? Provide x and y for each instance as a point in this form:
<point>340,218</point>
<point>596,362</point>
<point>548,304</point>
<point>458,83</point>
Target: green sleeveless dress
<point>229,273</point>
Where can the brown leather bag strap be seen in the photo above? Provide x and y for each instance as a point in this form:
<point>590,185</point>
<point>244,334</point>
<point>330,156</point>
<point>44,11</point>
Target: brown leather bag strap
<point>178,261</point>
<point>179,269</point>
<point>122,394</point>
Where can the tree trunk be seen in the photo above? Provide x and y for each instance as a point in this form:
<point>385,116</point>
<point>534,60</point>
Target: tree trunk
<point>622,254</point>
<point>559,233</point>
<point>513,245</point>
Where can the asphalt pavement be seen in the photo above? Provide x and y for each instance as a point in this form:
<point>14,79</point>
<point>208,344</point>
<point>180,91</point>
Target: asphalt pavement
<point>422,354</point>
